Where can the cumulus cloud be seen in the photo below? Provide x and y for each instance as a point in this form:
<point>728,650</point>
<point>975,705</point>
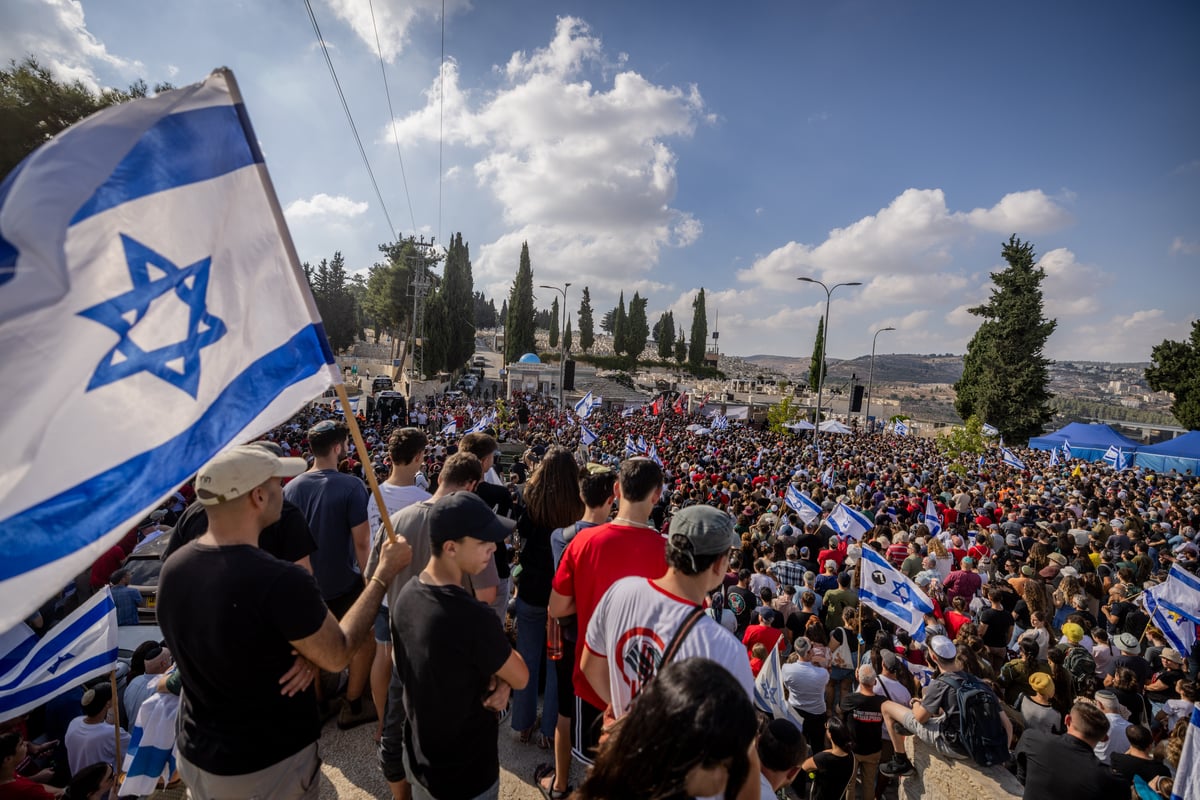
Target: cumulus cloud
<point>583,171</point>
<point>915,234</point>
<point>1117,337</point>
<point>321,206</point>
<point>392,20</point>
<point>1070,288</point>
<point>1184,247</point>
<point>55,32</point>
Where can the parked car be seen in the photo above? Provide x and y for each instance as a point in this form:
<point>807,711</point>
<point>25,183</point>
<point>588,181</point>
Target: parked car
<point>144,565</point>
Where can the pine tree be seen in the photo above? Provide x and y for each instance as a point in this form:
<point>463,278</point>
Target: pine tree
<point>699,331</point>
<point>1006,379</point>
<point>664,335</point>
<point>554,324</point>
<point>587,333</point>
<point>637,331</point>
<point>567,336</point>
<point>519,322</point>
<point>817,364</point>
<point>619,327</point>
<point>681,348</point>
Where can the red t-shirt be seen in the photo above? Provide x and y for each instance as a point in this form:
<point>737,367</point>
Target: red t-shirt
<point>763,634</point>
<point>896,553</point>
<point>593,561</point>
<point>24,789</point>
<point>954,621</point>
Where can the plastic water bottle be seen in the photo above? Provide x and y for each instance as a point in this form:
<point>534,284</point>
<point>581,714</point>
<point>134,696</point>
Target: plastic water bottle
<point>554,640</point>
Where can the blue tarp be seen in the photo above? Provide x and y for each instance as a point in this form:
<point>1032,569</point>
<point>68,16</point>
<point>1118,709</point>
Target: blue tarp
<point>1180,454</point>
<point>1088,442</point>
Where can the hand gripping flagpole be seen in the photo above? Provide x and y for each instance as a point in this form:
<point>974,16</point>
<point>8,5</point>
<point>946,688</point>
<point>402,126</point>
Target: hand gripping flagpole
<point>290,247</point>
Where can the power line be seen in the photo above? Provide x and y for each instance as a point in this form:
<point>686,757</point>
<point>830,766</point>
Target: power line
<point>350,118</point>
<point>392,116</point>
<point>441,113</point>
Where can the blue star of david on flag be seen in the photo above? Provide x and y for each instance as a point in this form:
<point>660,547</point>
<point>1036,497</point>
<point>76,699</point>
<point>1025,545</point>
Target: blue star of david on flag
<point>901,591</point>
<point>178,363</point>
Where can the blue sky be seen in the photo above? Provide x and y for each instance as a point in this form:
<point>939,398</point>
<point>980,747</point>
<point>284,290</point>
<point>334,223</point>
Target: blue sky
<point>665,146</point>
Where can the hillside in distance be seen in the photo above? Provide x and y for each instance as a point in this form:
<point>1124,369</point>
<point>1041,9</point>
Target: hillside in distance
<point>889,368</point>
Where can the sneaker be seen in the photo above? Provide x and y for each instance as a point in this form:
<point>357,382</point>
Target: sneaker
<point>898,766</point>
<point>347,719</point>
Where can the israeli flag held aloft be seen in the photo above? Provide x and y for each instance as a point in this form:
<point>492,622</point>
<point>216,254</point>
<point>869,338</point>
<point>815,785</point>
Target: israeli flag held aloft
<point>931,518</point>
<point>76,650</point>
<point>586,434</point>
<point>890,592</point>
<point>1010,459</point>
<point>1179,630</point>
<point>1187,776</point>
<point>1066,450</point>
<point>802,504</point>
<point>1053,458</point>
<point>901,429</point>
<point>990,430</point>
<point>848,522</point>
<point>148,280</point>
<point>583,408</point>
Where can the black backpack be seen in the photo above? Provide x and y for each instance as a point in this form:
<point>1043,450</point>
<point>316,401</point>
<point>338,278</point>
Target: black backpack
<point>980,732</point>
<point>1081,666</point>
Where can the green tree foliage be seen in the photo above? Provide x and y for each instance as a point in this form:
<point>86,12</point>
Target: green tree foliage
<point>486,315</point>
<point>1006,379</point>
<point>681,348</point>
<point>637,329</point>
<point>814,373</point>
<point>456,290</point>
<point>36,107</point>
<point>587,333</point>
<point>1175,368</point>
<point>781,413</point>
<point>620,328</point>
<point>963,445</point>
<point>554,323</point>
<point>664,335</point>
<point>699,331</point>
<point>335,301</point>
<point>438,335</point>
<point>567,336</point>
<point>541,320</point>
<point>519,326</point>
<point>388,300</point>
<point>606,322</point>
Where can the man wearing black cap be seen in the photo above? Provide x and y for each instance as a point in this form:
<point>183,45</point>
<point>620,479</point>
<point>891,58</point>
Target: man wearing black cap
<point>452,657</point>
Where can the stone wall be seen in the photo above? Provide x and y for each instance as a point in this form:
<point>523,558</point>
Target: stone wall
<point>940,778</point>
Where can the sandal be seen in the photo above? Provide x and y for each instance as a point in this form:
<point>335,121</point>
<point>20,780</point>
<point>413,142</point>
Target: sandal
<point>540,774</point>
<point>524,736</point>
<point>543,741</point>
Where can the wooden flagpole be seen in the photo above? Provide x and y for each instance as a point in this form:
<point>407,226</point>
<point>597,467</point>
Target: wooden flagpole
<point>116,706</point>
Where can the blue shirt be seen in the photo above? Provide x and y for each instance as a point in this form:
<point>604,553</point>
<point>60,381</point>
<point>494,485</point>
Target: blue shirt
<point>127,600</point>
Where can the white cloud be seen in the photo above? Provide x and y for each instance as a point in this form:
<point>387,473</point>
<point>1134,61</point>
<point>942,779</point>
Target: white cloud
<point>392,20</point>
<point>1184,247</point>
<point>1070,288</point>
<point>1021,212</point>
<point>1119,337</point>
<point>581,171</point>
<point>324,207</point>
<point>55,32</point>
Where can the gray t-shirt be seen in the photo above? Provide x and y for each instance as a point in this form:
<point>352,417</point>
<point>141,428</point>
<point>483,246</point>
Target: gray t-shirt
<point>412,523</point>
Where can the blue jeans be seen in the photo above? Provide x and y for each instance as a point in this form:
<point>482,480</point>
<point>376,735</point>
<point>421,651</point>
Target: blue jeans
<point>531,644</point>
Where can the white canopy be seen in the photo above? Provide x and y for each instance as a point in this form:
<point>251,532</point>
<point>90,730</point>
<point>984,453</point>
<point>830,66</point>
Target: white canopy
<point>833,426</point>
<point>802,425</point>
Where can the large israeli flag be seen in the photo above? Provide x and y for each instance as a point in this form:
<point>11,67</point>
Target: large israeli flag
<point>583,408</point>
<point>890,592</point>
<point>149,285</point>
<point>848,522</point>
<point>1112,455</point>
<point>901,429</point>
<point>1187,776</point>
<point>1010,459</point>
<point>78,649</point>
<point>1179,630</point>
<point>1181,593</point>
<point>586,434</point>
<point>802,504</point>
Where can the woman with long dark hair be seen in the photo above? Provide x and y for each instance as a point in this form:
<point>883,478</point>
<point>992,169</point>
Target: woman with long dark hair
<point>551,501</point>
<point>689,733</point>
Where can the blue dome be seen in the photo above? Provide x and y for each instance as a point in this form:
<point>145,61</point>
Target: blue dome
<point>529,358</point>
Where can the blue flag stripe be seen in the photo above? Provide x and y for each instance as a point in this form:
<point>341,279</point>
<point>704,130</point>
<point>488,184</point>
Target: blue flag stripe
<point>58,641</point>
<point>180,149</point>
<point>80,672</point>
<point>67,522</point>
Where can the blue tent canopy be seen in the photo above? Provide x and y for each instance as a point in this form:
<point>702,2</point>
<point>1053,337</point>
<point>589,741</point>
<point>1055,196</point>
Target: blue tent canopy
<point>1180,454</point>
<point>1088,441</point>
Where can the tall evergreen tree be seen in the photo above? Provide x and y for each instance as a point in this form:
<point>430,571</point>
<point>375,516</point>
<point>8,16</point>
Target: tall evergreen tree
<point>567,336</point>
<point>664,335</point>
<point>519,327</point>
<point>1006,378</point>
<point>637,331</point>
<point>699,331</point>
<point>335,301</point>
<point>620,328</point>
<point>457,288</point>
<point>554,323</point>
<point>587,333</point>
<point>1175,368</point>
<point>681,348</point>
<point>818,363</point>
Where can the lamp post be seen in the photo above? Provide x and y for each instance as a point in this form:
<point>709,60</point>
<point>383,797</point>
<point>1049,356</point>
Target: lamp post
<point>562,340</point>
<point>871,374</point>
<point>824,346</point>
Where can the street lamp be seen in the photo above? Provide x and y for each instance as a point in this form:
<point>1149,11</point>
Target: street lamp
<point>824,346</point>
<point>871,374</point>
<point>562,340</point>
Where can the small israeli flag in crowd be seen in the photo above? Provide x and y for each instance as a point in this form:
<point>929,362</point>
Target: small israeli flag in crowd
<point>1054,457</point>
<point>1187,776</point>
<point>628,412</point>
<point>140,246</point>
<point>1010,458</point>
<point>802,504</point>
<point>848,522</point>
<point>584,406</point>
<point>631,449</point>
<point>1111,455</point>
<point>483,424</point>
<point>990,430</point>
<point>586,434</point>
<point>152,749</point>
<point>901,429</point>
<point>769,694</point>
<point>931,518</point>
<point>720,422</point>
<point>980,462</point>
<point>1066,450</point>
<point>641,445</point>
<point>450,428</point>
<point>1179,630</point>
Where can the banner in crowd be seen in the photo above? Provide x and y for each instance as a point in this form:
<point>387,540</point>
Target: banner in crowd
<point>141,247</point>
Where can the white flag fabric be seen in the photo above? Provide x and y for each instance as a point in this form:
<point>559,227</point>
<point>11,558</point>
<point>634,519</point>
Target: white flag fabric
<point>78,649</point>
<point>931,518</point>
<point>768,691</point>
<point>1066,450</point>
<point>802,504</point>
<point>583,408</point>
<point>145,249</point>
<point>1010,459</point>
<point>848,522</point>
<point>152,751</point>
<point>890,592</point>
<point>1181,592</point>
<point>901,429</point>
<point>1187,777</point>
<point>1111,456</point>
<point>1179,630</point>
<point>990,430</point>
<point>586,434</point>
<point>450,428</point>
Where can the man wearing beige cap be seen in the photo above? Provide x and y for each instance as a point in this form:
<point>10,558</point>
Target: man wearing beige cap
<point>235,618</point>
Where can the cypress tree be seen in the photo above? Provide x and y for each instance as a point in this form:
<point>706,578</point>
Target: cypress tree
<point>816,364</point>
<point>1006,377</point>
<point>587,332</point>
<point>637,330</point>
<point>664,335</point>
<point>699,331</point>
<point>620,324</point>
<point>567,336</point>
<point>519,326</point>
<point>554,324</point>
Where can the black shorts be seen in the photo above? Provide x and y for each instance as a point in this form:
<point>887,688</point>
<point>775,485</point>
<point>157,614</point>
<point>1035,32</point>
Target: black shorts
<point>342,604</point>
<point>391,744</point>
<point>565,670</point>
<point>585,732</point>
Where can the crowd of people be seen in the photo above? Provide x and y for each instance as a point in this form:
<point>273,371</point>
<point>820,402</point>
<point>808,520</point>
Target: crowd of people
<point>614,608</point>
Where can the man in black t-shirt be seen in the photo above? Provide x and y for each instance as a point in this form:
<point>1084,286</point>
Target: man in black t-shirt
<point>452,657</point>
<point>233,617</point>
<point>864,717</point>
<point>1055,767</point>
<point>741,601</point>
